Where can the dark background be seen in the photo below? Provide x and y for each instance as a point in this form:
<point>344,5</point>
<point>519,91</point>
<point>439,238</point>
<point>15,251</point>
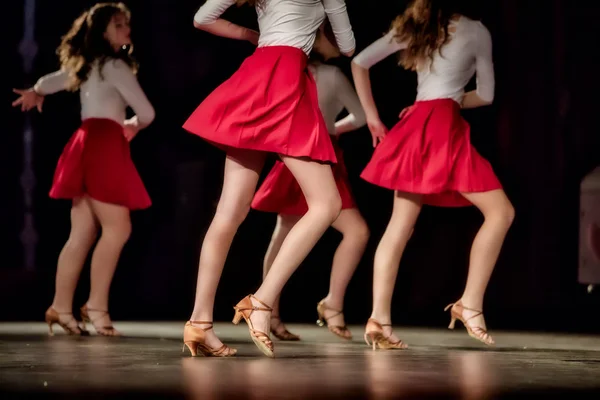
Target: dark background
<point>540,135</point>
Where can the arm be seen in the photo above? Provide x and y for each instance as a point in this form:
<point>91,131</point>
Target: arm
<point>361,64</point>
<point>122,78</point>
<point>207,19</point>
<point>52,83</point>
<point>340,23</point>
<point>347,96</point>
<point>484,68</point>
<point>48,84</point>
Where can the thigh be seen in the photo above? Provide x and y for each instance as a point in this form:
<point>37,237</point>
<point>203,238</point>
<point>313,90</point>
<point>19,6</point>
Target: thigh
<point>242,170</point>
<point>315,179</point>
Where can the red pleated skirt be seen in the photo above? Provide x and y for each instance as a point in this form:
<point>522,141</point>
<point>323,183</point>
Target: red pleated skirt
<point>429,152</point>
<point>281,194</point>
<point>97,162</point>
<point>269,104</point>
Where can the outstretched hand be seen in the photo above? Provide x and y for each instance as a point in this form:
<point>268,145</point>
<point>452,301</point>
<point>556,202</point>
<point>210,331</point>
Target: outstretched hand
<point>28,99</point>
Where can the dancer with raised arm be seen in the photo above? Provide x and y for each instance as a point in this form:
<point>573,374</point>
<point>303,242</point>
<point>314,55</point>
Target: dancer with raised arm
<point>95,169</point>
<point>268,106</point>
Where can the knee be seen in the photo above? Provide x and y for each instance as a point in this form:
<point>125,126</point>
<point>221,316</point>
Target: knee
<point>329,207</point>
<point>359,234</point>
<point>118,233</point>
<point>504,215</point>
<point>232,218</point>
<point>83,237</point>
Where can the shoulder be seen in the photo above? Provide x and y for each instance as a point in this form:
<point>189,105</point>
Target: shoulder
<point>475,27</point>
<point>116,66</point>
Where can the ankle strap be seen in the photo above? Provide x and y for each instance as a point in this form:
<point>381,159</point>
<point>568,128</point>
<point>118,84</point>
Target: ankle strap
<point>203,323</point>
<point>326,307</point>
<point>269,309</point>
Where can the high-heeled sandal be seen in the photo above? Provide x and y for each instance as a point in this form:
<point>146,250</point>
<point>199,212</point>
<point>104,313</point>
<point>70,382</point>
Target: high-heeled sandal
<point>244,309</point>
<point>374,331</point>
<point>335,329</point>
<point>194,338</point>
<point>477,332</point>
<point>103,331</point>
<point>53,317</point>
<point>285,334</point>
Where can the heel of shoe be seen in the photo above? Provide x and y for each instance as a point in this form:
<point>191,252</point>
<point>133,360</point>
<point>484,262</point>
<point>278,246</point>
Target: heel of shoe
<point>192,346</point>
<point>373,343</point>
<point>452,322</point>
<point>237,317</point>
<point>50,330</point>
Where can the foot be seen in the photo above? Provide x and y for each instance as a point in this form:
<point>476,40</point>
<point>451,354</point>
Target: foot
<point>381,336</point>
<point>475,322</point>
<point>100,319</point>
<point>261,321</point>
<point>389,334</point>
<point>66,320</point>
<point>279,330</point>
<point>334,318</point>
<point>211,340</point>
<point>257,315</point>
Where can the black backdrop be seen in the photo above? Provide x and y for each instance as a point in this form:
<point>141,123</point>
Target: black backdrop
<point>540,136</point>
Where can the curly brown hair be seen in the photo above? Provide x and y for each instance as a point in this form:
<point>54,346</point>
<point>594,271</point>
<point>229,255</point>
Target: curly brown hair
<point>424,27</point>
<point>85,44</point>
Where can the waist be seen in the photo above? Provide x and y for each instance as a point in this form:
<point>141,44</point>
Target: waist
<point>103,124</point>
<point>280,49</point>
<point>451,103</point>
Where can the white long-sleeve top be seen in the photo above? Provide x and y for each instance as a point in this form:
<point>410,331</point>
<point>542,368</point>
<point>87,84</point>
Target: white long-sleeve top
<point>336,93</point>
<point>290,22</point>
<point>105,98</point>
<point>468,52</point>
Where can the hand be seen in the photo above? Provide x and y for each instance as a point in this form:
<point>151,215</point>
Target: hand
<point>252,36</point>
<point>378,130</point>
<point>28,99</point>
<point>131,128</point>
<point>404,111</point>
<point>130,132</point>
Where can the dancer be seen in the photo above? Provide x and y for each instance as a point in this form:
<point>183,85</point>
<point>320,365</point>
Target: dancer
<point>95,169</point>
<point>268,105</point>
<point>427,158</point>
<point>281,194</point>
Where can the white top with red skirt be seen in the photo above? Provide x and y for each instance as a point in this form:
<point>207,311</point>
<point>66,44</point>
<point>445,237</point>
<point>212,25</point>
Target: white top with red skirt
<point>290,22</point>
<point>105,96</point>
<point>336,93</point>
<point>468,52</point>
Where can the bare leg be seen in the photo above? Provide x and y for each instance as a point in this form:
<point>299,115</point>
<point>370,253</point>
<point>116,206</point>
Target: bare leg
<point>407,207</point>
<point>84,231</point>
<point>347,256</point>
<point>324,204</point>
<point>284,224</point>
<point>242,169</point>
<point>116,228</point>
<point>499,214</point>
